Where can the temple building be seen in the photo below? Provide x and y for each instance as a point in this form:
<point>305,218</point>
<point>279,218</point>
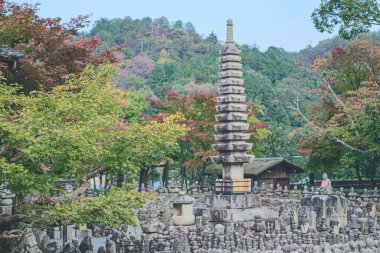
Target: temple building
<point>10,57</point>
<point>273,170</point>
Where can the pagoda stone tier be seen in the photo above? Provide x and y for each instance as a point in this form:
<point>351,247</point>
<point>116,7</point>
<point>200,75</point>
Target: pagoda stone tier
<point>232,117</point>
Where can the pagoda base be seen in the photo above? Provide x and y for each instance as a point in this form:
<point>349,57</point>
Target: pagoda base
<point>233,208</point>
<point>233,201</point>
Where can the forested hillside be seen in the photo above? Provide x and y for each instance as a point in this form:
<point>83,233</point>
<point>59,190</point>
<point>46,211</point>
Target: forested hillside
<point>307,55</point>
<point>159,53</point>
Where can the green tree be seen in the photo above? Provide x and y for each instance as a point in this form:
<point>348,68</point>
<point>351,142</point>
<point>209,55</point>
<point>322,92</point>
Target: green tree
<point>352,16</point>
<point>160,77</point>
<point>77,130</point>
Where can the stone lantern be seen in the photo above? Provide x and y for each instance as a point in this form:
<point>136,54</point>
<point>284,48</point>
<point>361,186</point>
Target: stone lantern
<point>6,201</point>
<point>183,210</point>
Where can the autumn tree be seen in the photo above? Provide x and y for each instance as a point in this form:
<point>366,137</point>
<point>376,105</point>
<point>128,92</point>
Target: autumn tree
<point>341,134</point>
<point>52,49</point>
<point>198,107</point>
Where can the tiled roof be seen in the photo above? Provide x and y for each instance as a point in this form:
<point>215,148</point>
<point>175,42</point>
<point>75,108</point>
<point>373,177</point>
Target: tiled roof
<point>257,166</point>
<point>10,53</point>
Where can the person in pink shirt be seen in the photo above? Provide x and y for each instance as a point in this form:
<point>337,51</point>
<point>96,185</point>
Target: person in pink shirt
<point>326,184</point>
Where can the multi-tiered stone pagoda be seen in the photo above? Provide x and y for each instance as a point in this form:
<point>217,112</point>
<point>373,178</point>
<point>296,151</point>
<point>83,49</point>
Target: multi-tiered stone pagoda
<point>232,117</point>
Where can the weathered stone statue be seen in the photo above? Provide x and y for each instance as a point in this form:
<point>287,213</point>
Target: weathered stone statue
<point>68,188</point>
<point>352,194</point>
<point>110,246</point>
<point>181,243</point>
<point>102,250</point>
<point>286,192</point>
<point>70,248</point>
<point>365,195</point>
<point>173,187</point>
<point>375,195</point>
<point>326,184</point>
<point>256,188</point>
<point>76,245</point>
<point>86,245</point>
<point>52,247</point>
<point>278,190</point>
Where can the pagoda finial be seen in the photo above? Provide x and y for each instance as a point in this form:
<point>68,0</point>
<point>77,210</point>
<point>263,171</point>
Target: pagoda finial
<point>230,33</point>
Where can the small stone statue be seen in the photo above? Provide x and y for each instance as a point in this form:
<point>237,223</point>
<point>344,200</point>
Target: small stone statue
<point>263,189</point>
<point>86,245</point>
<point>102,250</point>
<point>270,191</point>
<point>70,248</point>
<point>375,196</point>
<point>305,190</point>
<point>181,243</point>
<point>352,194</point>
<point>341,191</point>
<point>278,190</point>
<point>110,246</point>
<point>257,225</point>
<point>326,184</point>
<point>286,192</point>
<point>76,245</point>
<point>365,195</point>
<point>256,188</point>
<point>68,188</point>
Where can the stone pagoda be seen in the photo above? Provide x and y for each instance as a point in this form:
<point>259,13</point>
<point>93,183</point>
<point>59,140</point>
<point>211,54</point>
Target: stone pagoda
<point>232,117</point>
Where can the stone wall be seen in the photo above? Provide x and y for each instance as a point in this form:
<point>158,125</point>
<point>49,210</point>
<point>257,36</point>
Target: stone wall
<point>285,221</point>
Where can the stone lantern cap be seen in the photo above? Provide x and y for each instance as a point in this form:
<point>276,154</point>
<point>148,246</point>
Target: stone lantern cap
<point>5,194</point>
<point>182,198</point>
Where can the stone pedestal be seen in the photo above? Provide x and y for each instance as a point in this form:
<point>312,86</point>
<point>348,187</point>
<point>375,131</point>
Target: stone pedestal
<point>321,210</point>
<point>234,201</point>
<point>234,208</point>
<point>5,210</point>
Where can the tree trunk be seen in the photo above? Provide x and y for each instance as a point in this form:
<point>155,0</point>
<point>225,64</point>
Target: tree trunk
<point>143,179</point>
<point>371,170</point>
<point>272,146</point>
<point>106,181</point>
<point>165,174</point>
<point>152,179</point>
<point>202,174</point>
<point>182,177</point>
<point>357,169</point>
<point>100,180</point>
<point>311,178</point>
<point>120,180</point>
